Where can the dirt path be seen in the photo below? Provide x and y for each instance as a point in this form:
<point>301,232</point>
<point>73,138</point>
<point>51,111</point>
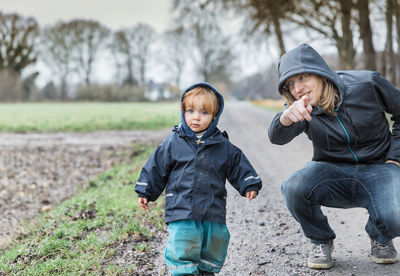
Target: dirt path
<point>265,239</point>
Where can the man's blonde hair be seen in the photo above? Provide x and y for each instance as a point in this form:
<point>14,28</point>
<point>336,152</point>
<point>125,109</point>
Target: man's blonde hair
<point>210,103</point>
<point>329,96</point>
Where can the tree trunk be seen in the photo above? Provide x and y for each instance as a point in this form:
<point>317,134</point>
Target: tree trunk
<point>347,52</point>
<point>390,72</point>
<point>278,33</point>
<point>366,35</point>
<point>63,94</point>
<point>397,15</point>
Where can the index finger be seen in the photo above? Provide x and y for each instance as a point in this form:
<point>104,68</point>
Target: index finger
<point>303,110</point>
<point>305,100</point>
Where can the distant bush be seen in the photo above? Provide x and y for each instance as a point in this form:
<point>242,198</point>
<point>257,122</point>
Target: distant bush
<point>110,93</point>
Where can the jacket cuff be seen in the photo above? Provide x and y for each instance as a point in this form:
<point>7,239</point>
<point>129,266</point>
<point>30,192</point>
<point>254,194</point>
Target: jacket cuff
<point>252,188</point>
<point>144,196</point>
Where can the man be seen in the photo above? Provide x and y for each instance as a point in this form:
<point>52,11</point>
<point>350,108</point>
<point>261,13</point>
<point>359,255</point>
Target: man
<point>356,160</point>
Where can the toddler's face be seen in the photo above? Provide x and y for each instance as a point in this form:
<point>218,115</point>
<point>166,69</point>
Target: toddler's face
<point>196,117</point>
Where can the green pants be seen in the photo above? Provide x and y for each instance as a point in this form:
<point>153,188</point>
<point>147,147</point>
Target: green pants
<point>194,245</point>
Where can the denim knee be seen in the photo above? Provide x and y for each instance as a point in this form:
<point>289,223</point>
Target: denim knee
<point>294,191</point>
<point>391,223</point>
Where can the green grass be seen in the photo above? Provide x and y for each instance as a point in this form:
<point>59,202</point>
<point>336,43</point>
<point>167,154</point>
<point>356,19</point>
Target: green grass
<point>86,117</point>
<point>77,235</point>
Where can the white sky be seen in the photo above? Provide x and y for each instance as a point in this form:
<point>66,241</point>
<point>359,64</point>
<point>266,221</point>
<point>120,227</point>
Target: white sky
<point>112,13</point>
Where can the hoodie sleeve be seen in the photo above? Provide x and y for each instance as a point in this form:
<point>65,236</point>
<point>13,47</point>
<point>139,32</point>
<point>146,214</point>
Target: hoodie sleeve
<point>390,98</point>
<point>154,174</point>
<point>241,174</point>
<point>280,134</point>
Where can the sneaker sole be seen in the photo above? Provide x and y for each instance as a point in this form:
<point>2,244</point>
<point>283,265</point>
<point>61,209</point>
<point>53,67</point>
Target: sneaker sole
<point>319,266</point>
<point>383,261</point>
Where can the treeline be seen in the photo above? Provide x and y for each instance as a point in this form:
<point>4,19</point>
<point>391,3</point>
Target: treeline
<point>71,51</point>
<point>354,27</point>
<point>198,40</point>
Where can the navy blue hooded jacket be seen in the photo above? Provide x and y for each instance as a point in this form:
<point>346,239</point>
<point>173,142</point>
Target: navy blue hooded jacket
<point>194,174</point>
<point>359,132</point>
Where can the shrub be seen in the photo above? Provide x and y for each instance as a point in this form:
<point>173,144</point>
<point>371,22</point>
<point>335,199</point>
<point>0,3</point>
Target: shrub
<point>110,93</point>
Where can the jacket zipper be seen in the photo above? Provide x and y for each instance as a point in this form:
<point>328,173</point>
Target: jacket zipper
<point>348,138</point>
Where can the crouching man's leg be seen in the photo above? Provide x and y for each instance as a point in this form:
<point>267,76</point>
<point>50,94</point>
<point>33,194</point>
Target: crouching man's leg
<point>380,192</point>
<point>318,183</point>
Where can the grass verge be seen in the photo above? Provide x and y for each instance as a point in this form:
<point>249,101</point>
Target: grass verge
<point>78,235</point>
<point>275,105</point>
<point>86,117</point>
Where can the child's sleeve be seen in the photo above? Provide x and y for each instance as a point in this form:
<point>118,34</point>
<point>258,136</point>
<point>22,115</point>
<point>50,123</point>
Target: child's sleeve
<point>241,174</point>
<point>154,174</point>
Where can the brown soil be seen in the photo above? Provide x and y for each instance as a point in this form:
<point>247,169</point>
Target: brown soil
<point>37,171</point>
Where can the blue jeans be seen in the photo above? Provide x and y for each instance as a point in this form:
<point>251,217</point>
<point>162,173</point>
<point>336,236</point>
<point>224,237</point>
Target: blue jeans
<point>375,187</point>
<point>194,245</point>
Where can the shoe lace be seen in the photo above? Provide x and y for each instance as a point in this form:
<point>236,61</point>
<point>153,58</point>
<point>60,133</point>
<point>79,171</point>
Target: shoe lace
<point>381,245</point>
<point>318,250</point>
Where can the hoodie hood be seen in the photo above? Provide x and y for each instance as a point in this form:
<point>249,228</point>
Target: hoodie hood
<point>213,126</point>
<point>304,59</point>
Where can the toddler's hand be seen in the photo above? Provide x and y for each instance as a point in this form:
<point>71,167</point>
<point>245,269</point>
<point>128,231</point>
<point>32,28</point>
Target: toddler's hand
<point>143,202</point>
<point>251,195</point>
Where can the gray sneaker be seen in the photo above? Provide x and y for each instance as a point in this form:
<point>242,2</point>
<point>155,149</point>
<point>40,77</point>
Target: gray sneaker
<point>321,256</point>
<point>383,253</point>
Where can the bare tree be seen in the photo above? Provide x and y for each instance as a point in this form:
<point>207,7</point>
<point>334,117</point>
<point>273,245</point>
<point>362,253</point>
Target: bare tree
<point>123,51</point>
<point>131,51</point>
<point>213,56</point>
<point>331,19</point>
<point>265,16</point>
<point>142,36</point>
<point>175,41</point>
<point>210,48</point>
<point>18,40</point>
<point>90,37</point>
<point>59,44</point>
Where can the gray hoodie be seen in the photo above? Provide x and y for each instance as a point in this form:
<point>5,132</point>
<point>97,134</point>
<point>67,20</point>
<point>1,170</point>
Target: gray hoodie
<point>359,132</point>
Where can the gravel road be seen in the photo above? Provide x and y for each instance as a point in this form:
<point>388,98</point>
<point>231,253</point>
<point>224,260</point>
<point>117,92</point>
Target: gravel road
<point>265,239</point>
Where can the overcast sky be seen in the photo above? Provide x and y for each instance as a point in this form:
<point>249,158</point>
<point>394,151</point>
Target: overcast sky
<point>112,13</point>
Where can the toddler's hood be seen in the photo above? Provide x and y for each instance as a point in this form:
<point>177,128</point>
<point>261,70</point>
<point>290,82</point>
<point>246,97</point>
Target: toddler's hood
<point>212,127</point>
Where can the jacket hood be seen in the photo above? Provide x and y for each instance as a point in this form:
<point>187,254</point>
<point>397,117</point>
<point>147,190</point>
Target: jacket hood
<point>213,126</point>
<point>304,59</point>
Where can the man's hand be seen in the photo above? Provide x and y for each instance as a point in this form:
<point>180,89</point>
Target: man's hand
<point>299,111</point>
<point>251,195</point>
<point>143,202</point>
<point>393,162</point>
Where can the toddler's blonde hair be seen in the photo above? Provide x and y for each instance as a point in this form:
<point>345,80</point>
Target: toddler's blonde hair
<point>210,103</point>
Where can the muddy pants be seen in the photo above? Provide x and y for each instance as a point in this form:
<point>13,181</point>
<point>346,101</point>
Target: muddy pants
<point>196,245</point>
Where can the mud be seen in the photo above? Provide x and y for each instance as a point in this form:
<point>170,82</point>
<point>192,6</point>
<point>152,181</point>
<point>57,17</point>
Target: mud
<point>37,171</point>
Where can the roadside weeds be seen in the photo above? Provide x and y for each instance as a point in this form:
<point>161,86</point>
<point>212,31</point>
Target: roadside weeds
<point>85,234</point>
